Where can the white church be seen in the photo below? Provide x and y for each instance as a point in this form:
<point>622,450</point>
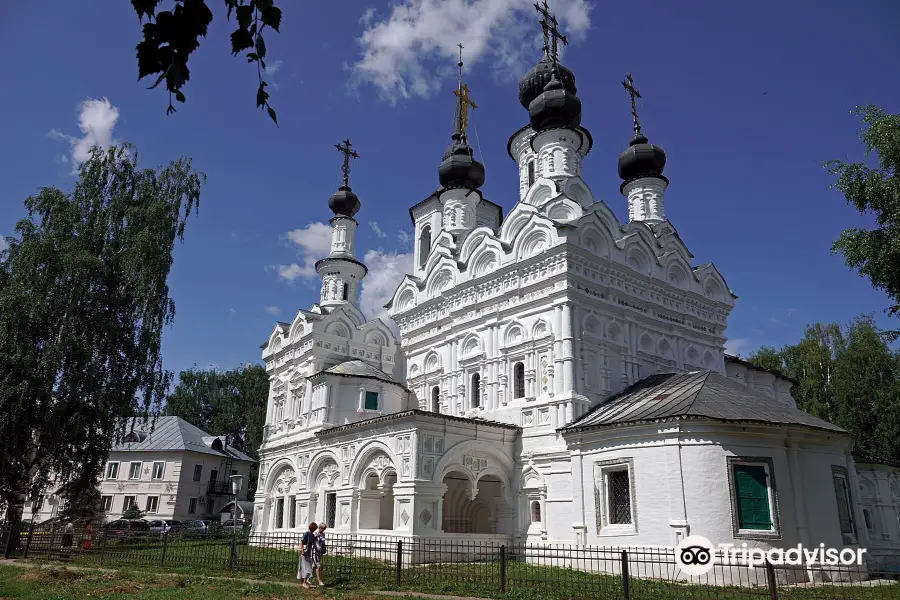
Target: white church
<point>560,376</point>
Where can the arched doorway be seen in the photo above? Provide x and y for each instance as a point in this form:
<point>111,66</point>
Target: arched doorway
<point>376,501</point>
<point>487,513</point>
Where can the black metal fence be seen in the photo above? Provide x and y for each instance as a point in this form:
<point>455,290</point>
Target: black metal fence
<point>457,566</point>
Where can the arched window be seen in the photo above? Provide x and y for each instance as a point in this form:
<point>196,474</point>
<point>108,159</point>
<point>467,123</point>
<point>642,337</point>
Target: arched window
<point>519,380</point>
<point>530,173</point>
<point>435,399</point>
<point>424,245</point>
<point>535,511</point>
<point>476,390</point>
<point>346,287</point>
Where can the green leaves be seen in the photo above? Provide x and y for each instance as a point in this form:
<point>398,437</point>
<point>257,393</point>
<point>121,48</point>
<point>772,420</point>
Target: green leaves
<point>170,37</point>
<point>874,190</point>
<point>83,300</point>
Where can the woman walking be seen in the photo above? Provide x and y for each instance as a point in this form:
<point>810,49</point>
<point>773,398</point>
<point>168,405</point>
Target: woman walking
<point>321,549</point>
<point>309,555</point>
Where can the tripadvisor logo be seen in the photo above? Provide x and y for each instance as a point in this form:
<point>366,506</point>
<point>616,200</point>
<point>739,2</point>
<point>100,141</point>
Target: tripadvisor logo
<point>694,555</point>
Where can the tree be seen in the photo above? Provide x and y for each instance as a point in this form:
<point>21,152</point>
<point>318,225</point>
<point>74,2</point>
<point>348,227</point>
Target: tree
<point>132,512</point>
<point>874,253</point>
<point>848,376</point>
<point>171,36</point>
<point>83,301</point>
<point>230,403</point>
<point>83,507</point>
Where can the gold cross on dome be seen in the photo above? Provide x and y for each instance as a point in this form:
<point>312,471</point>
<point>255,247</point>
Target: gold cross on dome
<point>462,106</point>
<point>347,151</point>
<point>628,84</point>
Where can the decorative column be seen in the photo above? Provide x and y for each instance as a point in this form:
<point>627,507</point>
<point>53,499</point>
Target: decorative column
<point>578,523</point>
<point>558,379</point>
<point>796,482</point>
<point>568,349</point>
<point>677,511</point>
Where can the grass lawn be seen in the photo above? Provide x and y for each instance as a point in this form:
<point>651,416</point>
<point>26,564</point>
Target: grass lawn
<point>352,576</point>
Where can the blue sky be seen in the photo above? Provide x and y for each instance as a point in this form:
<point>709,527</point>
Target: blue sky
<point>747,99</point>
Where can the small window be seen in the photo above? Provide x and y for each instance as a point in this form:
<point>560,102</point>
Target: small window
<point>292,523</point>
<point>346,288</point>
<point>868,517</point>
<point>134,470</point>
<point>279,513</point>
<point>435,399</point>
<point>519,380</point>
<point>152,504</point>
<point>751,489</point>
<point>845,514</point>
<point>530,173</point>
<point>371,401</point>
<point>112,470</point>
<point>618,490</point>
<point>192,506</point>
<point>158,470</point>
<point>129,503</point>
<point>330,508</point>
<point>424,245</point>
<point>476,390</point>
<point>106,503</point>
<point>535,511</point>
<point>198,472</point>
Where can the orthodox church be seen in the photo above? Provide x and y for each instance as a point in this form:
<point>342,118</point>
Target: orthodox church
<point>560,376</point>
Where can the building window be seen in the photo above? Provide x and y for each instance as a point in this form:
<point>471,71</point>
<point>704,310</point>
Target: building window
<point>530,173</point>
<point>106,503</point>
<point>279,513</point>
<point>752,485</point>
<point>435,399</point>
<point>868,517</point>
<point>844,504</point>
<point>519,380</point>
<point>476,390</point>
<point>292,512</point>
<point>213,475</point>
<point>158,470</point>
<point>535,511</point>
<point>152,504</point>
<point>134,470</point>
<point>618,497</point>
<point>346,288</point>
<point>192,506</point>
<point>371,401</point>
<point>424,245</point>
<point>330,508</point>
<point>112,470</point>
<point>129,503</point>
<point>198,472</point>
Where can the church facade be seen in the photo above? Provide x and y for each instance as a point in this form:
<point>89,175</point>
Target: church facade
<point>560,376</point>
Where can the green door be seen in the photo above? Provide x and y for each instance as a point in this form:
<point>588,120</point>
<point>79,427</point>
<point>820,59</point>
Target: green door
<point>752,491</point>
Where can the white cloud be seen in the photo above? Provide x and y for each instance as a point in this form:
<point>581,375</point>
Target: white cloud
<point>232,313</point>
<point>273,67</point>
<point>313,243</point>
<point>3,243</point>
<point>97,118</point>
<point>377,229</point>
<point>404,237</point>
<point>386,269</point>
<point>738,346</point>
<point>413,50</point>
<point>273,310</point>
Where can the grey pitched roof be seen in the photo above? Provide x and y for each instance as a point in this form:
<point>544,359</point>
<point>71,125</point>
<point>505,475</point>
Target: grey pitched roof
<point>694,395</point>
<point>174,433</point>
<point>359,368</point>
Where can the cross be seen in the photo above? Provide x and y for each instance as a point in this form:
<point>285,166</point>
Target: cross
<point>463,104</point>
<point>628,84</point>
<point>552,35</point>
<point>347,152</point>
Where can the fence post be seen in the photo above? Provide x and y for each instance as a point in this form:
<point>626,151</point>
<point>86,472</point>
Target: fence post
<point>104,533</point>
<point>503,569</point>
<point>770,576</point>
<point>626,592</point>
<point>28,541</point>
<point>162,556</point>
<point>233,552</point>
<point>399,561</point>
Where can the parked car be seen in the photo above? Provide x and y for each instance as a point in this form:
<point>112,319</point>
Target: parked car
<point>243,526</point>
<point>161,526</point>
<point>126,528</point>
<point>201,528</point>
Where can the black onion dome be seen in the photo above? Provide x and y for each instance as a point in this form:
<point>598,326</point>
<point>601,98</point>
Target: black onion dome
<point>532,83</point>
<point>459,168</point>
<point>641,159</point>
<point>556,106</point>
<point>344,202</point>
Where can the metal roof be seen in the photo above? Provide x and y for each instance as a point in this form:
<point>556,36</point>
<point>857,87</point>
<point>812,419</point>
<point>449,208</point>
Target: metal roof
<point>359,368</point>
<point>172,434</point>
<point>694,395</point>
